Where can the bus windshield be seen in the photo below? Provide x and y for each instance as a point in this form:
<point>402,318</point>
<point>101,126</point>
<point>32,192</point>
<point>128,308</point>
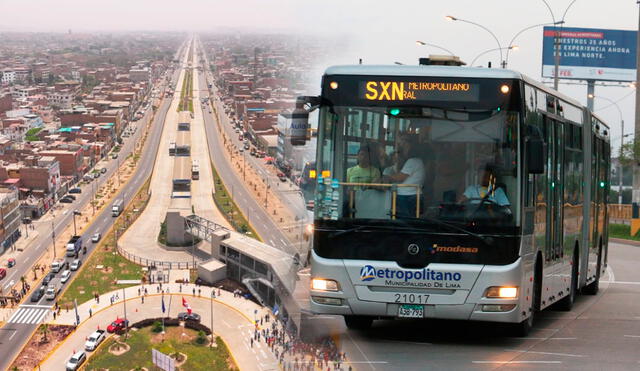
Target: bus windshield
<point>418,163</point>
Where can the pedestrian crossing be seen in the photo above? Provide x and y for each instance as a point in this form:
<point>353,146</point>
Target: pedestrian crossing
<point>30,314</point>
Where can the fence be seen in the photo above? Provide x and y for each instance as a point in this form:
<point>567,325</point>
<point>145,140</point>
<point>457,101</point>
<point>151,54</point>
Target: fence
<point>620,213</point>
<point>157,263</point>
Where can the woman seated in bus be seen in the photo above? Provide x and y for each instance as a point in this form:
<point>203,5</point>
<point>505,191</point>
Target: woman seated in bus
<point>409,171</point>
<point>488,189</point>
<point>364,171</point>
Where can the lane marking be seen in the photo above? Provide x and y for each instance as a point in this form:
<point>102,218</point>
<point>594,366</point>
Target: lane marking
<point>632,336</point>
<point>516,362</point>
<point>546,353</point>
<point>612,277</point>
<point>368,361</point>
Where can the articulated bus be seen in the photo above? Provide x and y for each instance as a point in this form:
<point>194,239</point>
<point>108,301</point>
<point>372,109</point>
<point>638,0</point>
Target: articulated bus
<point>456,193</point>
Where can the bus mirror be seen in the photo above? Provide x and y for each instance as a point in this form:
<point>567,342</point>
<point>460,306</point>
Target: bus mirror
<point>308,103</point>
<point>535,156</point>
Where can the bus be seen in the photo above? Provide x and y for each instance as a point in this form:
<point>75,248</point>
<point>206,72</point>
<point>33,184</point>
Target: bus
<point>455,193</point>
<point>195,170</point>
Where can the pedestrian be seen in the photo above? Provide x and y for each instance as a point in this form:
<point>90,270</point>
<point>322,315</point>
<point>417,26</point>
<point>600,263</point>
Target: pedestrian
<point>251,342</point>
<point>194,291</point>
<point>142,298</point>
<point>199,292</point>
<point>54,315</point>
<point>158,289</point>
<point>145,291</point>
<point>90,313</point>
<point>138,291</point>
<point>260,321</point>
<point>180,287</point>
<point>218,291</point>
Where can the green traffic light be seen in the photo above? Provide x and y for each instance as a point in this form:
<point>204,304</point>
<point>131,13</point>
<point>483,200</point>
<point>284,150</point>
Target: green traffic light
<point>601,184</point>
<point>394,111</point>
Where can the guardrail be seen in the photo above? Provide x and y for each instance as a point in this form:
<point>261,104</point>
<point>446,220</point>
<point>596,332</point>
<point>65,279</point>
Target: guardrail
<point>620,212</point>
<point>157,263</point>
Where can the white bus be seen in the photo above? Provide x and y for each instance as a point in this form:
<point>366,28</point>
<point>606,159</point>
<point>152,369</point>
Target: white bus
<point>456,193</point>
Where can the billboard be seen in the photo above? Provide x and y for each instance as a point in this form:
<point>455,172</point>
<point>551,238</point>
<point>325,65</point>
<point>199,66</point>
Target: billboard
<point>590,53</point>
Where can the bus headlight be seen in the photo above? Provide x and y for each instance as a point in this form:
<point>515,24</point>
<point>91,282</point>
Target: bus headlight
<point>322,284</point>
<point>501,292</point>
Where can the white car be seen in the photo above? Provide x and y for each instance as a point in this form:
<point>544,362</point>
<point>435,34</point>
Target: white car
<point>96,237</point>
<point>94,340</point>
<point>76,360</point>
<point>65,276</point>
<point>75,265</point>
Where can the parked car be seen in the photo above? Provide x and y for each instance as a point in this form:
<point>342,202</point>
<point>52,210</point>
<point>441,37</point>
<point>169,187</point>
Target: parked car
<point>114,156</point>
<point>56,266</point>
<point>96,175</point>
<point>71,197</point>
<point>48,278</point>
<point>65,276</point>
<point>103,170</point>
<point>66,200</point>
<point>11,262</point>
<point>96,237</point>
<point>75,265</point>
<point>118,325</point>
<point>282,177</point>
<point>37,294</point>
<point>76,360</point>
<point>184,316</point>
<point>75,190</point>
<point>3,273</point>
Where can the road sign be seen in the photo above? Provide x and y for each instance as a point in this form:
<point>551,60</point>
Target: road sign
<point>590,53</point>
<point>162,360</point>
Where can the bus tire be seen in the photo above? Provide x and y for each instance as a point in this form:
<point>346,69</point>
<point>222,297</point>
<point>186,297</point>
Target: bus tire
<point>358,322</point>
<point>523,328</point>
<point>566,303</point>
<point>593,287</point>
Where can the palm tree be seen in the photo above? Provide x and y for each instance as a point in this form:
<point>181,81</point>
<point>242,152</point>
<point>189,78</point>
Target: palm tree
<point>23,281</point>
<point>44,329</point>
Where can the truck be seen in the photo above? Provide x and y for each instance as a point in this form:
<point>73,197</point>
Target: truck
<point>74,245</point>
<point>94,340</point>
<point>117,208</point>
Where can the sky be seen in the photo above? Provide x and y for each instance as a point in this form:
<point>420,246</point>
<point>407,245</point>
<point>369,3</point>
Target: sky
<point>380,32</point>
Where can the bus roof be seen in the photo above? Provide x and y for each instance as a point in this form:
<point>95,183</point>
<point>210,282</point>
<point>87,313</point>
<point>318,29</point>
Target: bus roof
<point>442,71</point>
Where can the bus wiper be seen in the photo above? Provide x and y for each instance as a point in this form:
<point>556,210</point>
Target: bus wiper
<point>355,229</point>
<point>486,240</point>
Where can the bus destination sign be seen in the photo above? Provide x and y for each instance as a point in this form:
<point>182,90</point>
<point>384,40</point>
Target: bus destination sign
<point>407,91</point>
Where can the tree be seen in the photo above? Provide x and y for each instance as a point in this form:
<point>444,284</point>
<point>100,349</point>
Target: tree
<point>44,329</point>
<point>23,281</point>
<point>630,153</point>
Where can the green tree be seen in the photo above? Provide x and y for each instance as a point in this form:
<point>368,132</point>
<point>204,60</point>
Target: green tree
<point>44,330</point>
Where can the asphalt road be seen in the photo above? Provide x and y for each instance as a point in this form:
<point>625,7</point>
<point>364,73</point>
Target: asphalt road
<point>263,224</point>
<point>602,332</point>
<point>14,334</point>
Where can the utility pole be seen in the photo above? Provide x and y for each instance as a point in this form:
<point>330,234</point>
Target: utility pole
<point>126,323</point>
<point>213,295</point>
<point>636,169</point>
<point>53,239</point>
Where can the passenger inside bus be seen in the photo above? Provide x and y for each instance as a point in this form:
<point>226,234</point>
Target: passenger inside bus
<point>409,171</point>
<point>364,171</point>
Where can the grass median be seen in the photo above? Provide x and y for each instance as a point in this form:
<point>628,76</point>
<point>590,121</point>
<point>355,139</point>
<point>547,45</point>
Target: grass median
<point>622,231</point>
<point>229,209</point>
<point>105,266</point>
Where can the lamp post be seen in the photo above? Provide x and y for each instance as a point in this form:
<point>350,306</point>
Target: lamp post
<point>591,96</point>
<point>75,212</point>
<point>53,238</point>
<point>504,64</point>
<point>422,43</point>
<point>506,61</point>
<point>557,42</point>
<point>213,296</point>
<point>452,18</point>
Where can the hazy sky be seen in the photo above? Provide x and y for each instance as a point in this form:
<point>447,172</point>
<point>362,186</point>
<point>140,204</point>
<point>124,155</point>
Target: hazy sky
<point>378,31</point>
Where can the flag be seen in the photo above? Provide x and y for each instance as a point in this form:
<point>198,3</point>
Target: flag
<point>186,305</point>
<point>163,309</point>
<point>276,310</point>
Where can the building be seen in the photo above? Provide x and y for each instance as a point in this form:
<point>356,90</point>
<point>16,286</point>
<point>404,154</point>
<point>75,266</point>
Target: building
<point>9,217</point>
<point>139,74</point>
<point>63,99</point>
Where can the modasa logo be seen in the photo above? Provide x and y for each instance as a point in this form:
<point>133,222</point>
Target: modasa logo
<point>367,273</point>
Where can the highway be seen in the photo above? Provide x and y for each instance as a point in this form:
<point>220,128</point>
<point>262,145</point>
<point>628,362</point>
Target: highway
<point>15,333</point>
<point>254,211</point>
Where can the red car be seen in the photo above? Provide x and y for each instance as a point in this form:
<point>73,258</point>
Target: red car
<point>3,273</point>
<point>117,325</point>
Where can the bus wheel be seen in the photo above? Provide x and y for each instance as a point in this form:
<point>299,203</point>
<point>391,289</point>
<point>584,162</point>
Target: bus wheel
<point>523,328</point>
<point>567,302</point>
<point>358,322</point>
<point>593,287</point>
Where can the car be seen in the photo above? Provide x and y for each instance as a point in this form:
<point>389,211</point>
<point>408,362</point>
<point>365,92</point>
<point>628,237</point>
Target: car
<point>66,200</point>
<point>52,291</point>
<point>11,262</point>
<point>118,325</point>
<point>103,170</point>
<point>48,278</point>
<point>310,205</point>
<point>185,316</point>
<point>94,340</point>
<point>76,360</point>
<point>75,190</point>
<point>37,294</point>
<point>75,265</point>
<point>241,150</point>
<point>96,237</point>
<point>282,177</point>
<point>65,276</point>
<point>3,273</point>
<point>114,156</point>
<point>96,175</point>
<point>71,197</point>
<point>56,266</point>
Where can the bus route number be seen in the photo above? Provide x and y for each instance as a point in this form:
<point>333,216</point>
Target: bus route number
<point>411,298</point>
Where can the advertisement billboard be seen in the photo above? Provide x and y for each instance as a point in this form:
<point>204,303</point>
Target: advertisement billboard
<point>590,53</point>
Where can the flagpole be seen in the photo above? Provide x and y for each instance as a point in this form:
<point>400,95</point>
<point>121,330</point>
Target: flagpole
<point>162,301</point>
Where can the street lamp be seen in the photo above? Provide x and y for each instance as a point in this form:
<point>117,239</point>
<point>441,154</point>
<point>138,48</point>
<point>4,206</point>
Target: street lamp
<point>452,18</point>
<point>75,212</point>
<point>557,41</point>
<point>613,103</point>
<point>504,64</point>
<point>213,296</point>
<point>422,43</point>
<point>523,30</point>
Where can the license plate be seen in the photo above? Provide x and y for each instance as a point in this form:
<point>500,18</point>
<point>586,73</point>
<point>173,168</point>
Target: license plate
<point>411,311</point>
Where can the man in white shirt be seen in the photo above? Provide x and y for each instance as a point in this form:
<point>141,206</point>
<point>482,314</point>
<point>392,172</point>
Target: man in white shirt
<point>487,190</point>
<point>411,173</point>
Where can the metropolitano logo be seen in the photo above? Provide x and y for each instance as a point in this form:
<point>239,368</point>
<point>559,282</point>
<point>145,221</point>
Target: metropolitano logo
<point>367,273</point>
